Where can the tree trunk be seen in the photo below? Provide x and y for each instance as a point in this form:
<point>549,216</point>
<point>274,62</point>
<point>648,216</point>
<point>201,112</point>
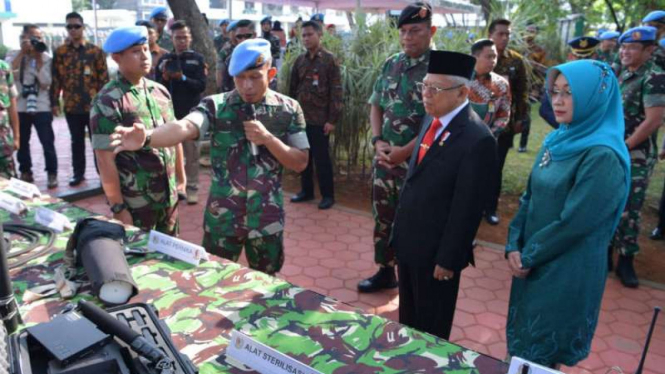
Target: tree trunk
<point>486,6</point>
<point>620,26</point>
<point>188,11</point>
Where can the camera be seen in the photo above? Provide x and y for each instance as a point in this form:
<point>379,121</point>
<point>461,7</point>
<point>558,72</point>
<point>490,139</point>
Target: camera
<point>38,45</point>
<point>172,66</point>
<point>29,93</point>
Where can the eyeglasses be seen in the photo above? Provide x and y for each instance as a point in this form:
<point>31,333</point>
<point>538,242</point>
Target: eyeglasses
<point>422,87</point>
<point>244,36</point>
<point>73,26</point>
<point>566,94</point>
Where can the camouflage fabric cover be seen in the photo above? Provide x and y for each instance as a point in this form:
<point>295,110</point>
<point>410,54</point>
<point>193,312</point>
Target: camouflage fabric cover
<point>511,65</point>
<point>659,57</point>
<point>7,91</point>
<point>165,41</point>
<point>147,176</point>
<point>202,305</point>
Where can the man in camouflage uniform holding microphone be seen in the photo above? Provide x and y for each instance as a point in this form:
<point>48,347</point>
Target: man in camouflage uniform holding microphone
<point>9,126</point>
<point>396,114</point>
<point>254,133</point>
<point>642,86</point>
<point>140,186</point>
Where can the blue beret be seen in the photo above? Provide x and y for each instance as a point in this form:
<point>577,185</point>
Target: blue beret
<point>266,19</point>
<point>223,22</point>
<point>318,17</point>
<point>125,37</point>
<point>159,12</point>
<point>655,16</point>
<point>607,35</point>
<point>232,26</point>
<point>662,43</point>
<point>639,34</point>
<point>250,54</point>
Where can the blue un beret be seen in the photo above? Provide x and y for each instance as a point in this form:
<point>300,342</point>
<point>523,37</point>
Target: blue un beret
<point>232,26</point>
<point>250,54</point>
<point>125,37</point>
<point>655,16</point>
<point>607,35</point>
<point>662,43</point>
<point>223,22</point>
<point>318,17</point>
<point>159,12</point>
<point>266,19</point>
<point>639,34</point>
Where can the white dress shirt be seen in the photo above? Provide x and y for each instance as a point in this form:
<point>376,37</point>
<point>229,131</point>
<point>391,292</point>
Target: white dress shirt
<point>446,119</point>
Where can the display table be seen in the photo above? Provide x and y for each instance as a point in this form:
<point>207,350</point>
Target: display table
<point>201,305</point>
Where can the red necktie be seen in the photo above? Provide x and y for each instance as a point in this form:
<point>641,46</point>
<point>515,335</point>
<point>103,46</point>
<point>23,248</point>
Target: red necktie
<point>428,139</point>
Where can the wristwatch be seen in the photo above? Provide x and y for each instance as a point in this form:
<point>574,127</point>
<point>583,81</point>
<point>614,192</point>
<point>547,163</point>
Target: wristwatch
<point>376,139</point>
<point>117,208</point>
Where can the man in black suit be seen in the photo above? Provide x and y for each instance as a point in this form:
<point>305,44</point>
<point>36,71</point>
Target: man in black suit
<point>443,198</point>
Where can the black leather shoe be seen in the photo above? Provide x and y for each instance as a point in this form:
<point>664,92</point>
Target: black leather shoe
<point>383,279</point>
<point>301,197</point>
<point>76,180</point>
<point>326,203</point>
<point>492,218</point>
<point>626,272</point>
<point>657,234</point>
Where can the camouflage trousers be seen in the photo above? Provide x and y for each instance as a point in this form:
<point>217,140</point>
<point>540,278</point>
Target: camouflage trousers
<point>386,187</point>
<point>642,162</point>
<point>156,217</point>
<point>265,253</point>
<point>7,168</point>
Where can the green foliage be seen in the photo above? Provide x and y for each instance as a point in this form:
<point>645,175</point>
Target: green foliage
<point>3,51</point>
<point>79,5</point>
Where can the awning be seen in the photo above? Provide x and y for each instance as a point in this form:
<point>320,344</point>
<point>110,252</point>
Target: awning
<point>380,6</point>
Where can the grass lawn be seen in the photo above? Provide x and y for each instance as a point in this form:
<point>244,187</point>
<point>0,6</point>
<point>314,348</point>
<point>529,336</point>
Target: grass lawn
<point>518,165</point>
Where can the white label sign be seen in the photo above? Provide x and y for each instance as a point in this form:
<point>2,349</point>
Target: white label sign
<point>176,248</point>
<point>522,366</point>
<point>12,204</point>
<point>262,358</point>
<point>24,189</point>
<point>52,219</point>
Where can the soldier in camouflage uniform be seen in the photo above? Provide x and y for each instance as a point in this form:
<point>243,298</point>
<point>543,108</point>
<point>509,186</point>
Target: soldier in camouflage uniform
<point>240,31</point>
<point>396,114</point>
<point>245,204</point>
<point>643,90</point>
<point>607,52</point>
<point>657,19</point>
<point>159,17</point>
<point>140,186</point>
<point>9,124</point>
<point>223,37</point>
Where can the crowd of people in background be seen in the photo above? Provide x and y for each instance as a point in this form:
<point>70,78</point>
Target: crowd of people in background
<point>442,125</point>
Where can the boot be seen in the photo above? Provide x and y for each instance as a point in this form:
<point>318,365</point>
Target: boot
<point>383,279</point>
<point>626,272</point>
<point>52,181</point>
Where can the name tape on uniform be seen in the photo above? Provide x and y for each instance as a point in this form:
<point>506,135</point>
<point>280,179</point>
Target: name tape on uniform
<point>259,357</point>
<point>176,248</point>
<point>24,189</point>
<point>521,366</point>
<point>12,204</point>
<point>55,221</point>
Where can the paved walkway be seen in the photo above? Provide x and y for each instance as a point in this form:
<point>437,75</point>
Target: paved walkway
<point>331,251</point>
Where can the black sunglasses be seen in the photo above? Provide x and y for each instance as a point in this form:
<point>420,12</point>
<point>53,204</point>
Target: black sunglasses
<point>73,27</point>
<point>244,36</point>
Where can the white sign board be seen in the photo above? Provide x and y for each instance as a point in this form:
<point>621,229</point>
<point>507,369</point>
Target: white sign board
<point>176,248</point>
<point>24,189</point>
<point>522,366</point>
<point>262,358</point>
<point>12,204</point>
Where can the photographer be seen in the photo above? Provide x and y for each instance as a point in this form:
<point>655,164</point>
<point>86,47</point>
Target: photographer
<point>32,68</point>
<point>183,74</point>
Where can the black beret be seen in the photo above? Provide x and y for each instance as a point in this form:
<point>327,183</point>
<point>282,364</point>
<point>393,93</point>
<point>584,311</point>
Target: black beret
<point>415,13</point>
<point>451,63</point>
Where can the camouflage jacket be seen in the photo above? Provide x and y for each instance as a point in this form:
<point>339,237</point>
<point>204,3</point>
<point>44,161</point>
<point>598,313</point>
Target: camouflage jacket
<point>317,85</point>
<point>611,58</point>
<point>396,94</point>
<point>640,89</point>
<point>219,42</point>
<point>165,41</point>
<point>659,57</point>
<point>275,50</point>
<point>511,66</point>
<point>78,73</point>
<point>223,60</point>
<point>490,99</point>
<point>147,176</point>
<point>245,195</point>
<point>7,92</point>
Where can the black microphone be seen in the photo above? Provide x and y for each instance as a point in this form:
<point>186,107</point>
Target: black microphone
<point>9,314</point>
<point>251,113</point>
<point>110,325</point>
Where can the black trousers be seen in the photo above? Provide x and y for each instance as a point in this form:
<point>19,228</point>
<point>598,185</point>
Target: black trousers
<point>504,143</point>
<point>524,136</point>
<point>43,122</point>
<point>661,211</point>
<point>425,303</point>
<point>319,156</point>
<point>77,123</point>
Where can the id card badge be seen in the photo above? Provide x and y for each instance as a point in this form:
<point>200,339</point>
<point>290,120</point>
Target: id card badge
<point>315,79</point>
<point>490,107</point>
<point>87,70</point>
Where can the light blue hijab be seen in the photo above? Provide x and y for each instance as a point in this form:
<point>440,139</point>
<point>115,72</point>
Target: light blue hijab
<point>597,114</point>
